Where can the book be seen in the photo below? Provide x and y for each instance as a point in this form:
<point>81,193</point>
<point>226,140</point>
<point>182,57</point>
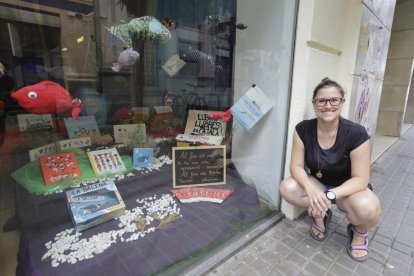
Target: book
<point>251,107</point>
<point>198,123</point>
<point>33,121</point>
<point>127,134</point>
<point>106,161</point>
<point>84,126</point>
<point>143,157</point>
<point>59,166</point>
<point>94,204</point>
<point>197,194</point>
<point>35,153</point>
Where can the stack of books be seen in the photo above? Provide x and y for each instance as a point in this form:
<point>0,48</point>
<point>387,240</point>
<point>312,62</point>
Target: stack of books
<point>94,204</point>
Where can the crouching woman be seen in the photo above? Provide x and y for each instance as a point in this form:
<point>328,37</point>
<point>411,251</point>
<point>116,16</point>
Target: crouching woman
<point>330,164</point>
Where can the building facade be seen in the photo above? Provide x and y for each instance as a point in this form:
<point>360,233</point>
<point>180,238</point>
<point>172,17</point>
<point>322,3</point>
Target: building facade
<point>160,78</point>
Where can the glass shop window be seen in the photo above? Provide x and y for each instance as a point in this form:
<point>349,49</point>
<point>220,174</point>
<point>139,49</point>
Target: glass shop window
<point>135,135</point>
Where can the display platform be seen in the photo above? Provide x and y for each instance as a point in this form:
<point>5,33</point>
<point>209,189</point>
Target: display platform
<point>201,228</point>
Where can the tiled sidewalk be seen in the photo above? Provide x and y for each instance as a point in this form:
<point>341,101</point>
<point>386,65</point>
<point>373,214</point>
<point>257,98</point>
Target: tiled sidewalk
<point>288,249</point>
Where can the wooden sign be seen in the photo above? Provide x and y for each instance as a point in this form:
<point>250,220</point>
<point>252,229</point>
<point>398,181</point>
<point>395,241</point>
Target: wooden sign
<point>199,166</point>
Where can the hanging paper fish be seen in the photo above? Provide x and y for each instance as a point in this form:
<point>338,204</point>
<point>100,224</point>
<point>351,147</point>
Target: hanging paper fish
<point>215,18</point>
<point>145,28</point>
<point>47,97</point>
<point>196,56</point>
<point>126,57</point>
<point>240,26</point>
<point>217,115</point>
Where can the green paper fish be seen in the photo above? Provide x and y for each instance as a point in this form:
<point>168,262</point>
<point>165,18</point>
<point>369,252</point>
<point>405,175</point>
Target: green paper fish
<point>145,28</point>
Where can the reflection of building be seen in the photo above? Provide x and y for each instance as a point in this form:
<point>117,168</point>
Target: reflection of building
<point>282,51</point>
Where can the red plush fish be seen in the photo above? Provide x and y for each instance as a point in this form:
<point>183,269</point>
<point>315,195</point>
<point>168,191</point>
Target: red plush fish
<point>47,97</point>
<point>217,115</point>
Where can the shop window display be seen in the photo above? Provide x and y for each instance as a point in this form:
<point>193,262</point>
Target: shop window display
<point>133,94</point>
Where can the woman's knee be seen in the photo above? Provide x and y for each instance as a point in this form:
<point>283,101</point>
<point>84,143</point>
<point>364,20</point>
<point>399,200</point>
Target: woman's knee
<point>368,209</point>
<point>288,187</point>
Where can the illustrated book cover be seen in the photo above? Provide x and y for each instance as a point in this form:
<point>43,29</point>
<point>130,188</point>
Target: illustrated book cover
<point>106,161</point>
<point>35,153</point>
<point>127,134</point>
<point>197,194</point>
<point>84,126</point>
<point>34,121</point>
<point>143,157</point>
<point>198,123</point>
<point>251,107</point>
<point>94,204</point>
<point>59,166</point>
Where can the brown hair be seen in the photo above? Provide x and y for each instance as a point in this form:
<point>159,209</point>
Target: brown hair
<point>327,82</point>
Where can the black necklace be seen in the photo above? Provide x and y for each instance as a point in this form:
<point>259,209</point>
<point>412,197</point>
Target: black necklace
<point>319,172</point>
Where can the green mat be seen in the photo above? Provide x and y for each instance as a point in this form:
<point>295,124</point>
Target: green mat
<point>31,178</point>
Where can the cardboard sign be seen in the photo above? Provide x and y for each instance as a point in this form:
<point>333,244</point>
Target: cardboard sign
<point>199,166</point>
<point>198,123</point>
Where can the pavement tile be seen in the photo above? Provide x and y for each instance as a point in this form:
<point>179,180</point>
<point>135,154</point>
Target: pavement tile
<point>246,258</point>
<point>288,267</point>
<point>297,259</point>
<point>244,270</point>
<point>278,247</point>
<point>275,272</point>
<point>405,235</point>
<point>373,244</point>
<point>343,239</point>
<point>313,269</point>
<point>403,248</point>
<point>384,240</point>
<point>296,235</point>
<point>398,255</point>
<point>322,261</point>
<point>272,258</point>
<point>340,270</point>
<point>330,254</point>
<point>289,242</point>
<point>364,270</point>
<point>260,267</point>
<point>395,265</point>
<point>373,264</point>
<point>378,256</point>
<point>334,245</point>
<point>346,261</point>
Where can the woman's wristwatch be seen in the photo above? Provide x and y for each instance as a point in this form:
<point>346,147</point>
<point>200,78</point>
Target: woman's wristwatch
<point>330,195</point>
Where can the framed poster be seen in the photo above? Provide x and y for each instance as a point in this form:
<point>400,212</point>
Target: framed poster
<point>199,166</point>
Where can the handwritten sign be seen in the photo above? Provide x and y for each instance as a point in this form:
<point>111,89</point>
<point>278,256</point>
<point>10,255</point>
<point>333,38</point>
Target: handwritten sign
<point>199,166</point>
<point>198,123</point>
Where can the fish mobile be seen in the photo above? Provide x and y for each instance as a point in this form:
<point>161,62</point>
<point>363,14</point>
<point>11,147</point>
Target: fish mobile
<point>47,97</point>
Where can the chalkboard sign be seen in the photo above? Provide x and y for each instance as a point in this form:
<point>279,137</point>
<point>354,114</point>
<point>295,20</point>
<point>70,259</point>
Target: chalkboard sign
<point>199,166</point>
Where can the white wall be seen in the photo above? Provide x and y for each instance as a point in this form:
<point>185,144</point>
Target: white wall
<point>326,44</point>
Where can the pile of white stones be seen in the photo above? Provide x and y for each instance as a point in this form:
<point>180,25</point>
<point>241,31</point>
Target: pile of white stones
<point>69,247</point>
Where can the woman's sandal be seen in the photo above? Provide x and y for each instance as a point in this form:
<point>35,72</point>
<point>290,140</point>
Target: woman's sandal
<point>322,230</point>
<point>351,231</point>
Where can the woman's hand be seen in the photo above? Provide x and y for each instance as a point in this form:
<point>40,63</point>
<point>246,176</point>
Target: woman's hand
<point>315,213</point>
<point>318,200</point>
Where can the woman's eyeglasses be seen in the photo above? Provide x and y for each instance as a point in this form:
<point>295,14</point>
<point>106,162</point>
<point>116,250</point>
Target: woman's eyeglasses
<point>322,101</point>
